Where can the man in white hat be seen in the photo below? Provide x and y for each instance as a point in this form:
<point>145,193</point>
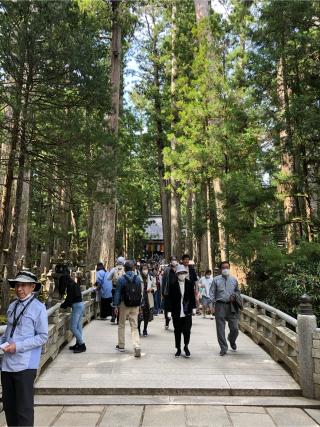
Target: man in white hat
<point>26,333</point>
<point>181,305</point>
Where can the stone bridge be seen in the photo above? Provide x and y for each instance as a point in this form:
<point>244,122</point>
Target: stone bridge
<point>277,365</point>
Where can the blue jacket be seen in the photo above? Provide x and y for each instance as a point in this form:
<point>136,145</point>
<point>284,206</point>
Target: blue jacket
<point>121,283</point>
<point>30,335</point>
<point>105,285</point>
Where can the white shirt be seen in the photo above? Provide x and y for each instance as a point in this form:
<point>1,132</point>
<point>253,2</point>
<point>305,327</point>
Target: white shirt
<point>205,285</point>
<point>182,295</point>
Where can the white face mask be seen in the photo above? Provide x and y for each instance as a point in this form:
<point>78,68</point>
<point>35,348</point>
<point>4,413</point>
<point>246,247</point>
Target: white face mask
<point>144,272</point>
<point>182,277</point>
<point>208,277</point>
<point>225,272</point>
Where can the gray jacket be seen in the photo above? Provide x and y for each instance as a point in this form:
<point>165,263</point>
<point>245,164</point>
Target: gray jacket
<point>223,288</point>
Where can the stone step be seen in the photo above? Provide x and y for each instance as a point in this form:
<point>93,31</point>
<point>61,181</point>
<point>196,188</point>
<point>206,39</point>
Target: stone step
<point>254,401</point>
<point>181,391</point>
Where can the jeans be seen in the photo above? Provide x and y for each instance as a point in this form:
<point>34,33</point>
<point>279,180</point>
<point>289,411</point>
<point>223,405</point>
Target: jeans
<point>76,321</point>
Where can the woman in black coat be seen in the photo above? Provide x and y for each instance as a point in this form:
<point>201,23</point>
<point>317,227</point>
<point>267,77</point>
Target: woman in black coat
<point>181,305</point>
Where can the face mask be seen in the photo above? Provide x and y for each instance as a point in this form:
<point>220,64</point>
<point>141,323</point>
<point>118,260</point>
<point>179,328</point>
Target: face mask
<point>144,272</point>
<point>225,272</point>
<point>182,277</point>
<point>174,263</point>
<point>208,277</point>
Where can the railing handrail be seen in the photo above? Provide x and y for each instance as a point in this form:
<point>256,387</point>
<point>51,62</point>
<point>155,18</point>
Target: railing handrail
<point>52,309</point>
<point>288,319</point>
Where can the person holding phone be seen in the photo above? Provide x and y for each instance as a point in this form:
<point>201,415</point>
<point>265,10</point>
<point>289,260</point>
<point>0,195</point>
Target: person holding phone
<point>26,333</point>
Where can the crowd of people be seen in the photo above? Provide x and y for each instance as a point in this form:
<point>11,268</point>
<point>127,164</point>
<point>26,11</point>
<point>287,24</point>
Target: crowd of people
<point>177,291</point>
<point>134,291</point>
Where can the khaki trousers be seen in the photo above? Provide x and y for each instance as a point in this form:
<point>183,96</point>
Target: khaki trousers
<point>132,314</point>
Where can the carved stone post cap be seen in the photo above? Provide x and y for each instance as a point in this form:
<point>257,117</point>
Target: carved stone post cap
<point>305,306</point>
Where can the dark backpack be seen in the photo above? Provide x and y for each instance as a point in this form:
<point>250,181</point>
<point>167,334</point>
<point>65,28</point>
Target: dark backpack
<point>132,292</point>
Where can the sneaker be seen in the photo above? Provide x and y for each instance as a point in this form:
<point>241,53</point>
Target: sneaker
<point>137,352</point>
<point>73,347</point>
<point>113,320</point>
<point>80,349</point>
<point>145,333</point>
<point>121,349</point>
<point>166,327</point>
<point>178,353</point>
<point>187,352</point>
<point>233,345</point>
<point>223,352</point>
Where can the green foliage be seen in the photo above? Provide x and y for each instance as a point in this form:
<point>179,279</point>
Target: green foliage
<point>281,279</point>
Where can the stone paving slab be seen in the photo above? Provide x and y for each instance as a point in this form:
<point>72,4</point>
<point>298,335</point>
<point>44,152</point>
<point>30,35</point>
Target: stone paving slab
<point>128,416</point>
<point>295,417</point>
<point>251,420</point>
<point>314,413</point>
<point>102,370</point>
<point>171,416</point>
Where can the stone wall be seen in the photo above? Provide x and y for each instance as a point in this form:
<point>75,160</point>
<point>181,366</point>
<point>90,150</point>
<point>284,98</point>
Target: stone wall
<point>316,362</point>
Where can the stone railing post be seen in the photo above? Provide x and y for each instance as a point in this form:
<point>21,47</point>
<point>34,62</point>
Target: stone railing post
<point>307,324</point>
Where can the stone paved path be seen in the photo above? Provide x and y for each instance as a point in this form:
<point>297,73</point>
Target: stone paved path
<point>102,370</point>
<point>174,416</point>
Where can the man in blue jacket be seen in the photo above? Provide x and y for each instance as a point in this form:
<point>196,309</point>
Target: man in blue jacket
<point>26,333</point>
<point>128,307</point>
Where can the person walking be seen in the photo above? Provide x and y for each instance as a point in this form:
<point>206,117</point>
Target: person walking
<point>104,287</point>
<point>114,274</point>
<point>168,279</point>
<point>181,305</point>
<point>25,334</point>
<point>74,300</point>
<point>204,285</point>
<point>127,301</point>
<point>225,296</point>
<point>147,303</point>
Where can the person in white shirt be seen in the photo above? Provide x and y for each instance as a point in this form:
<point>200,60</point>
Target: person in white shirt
<point>204,286</point>
<point>181,305</point>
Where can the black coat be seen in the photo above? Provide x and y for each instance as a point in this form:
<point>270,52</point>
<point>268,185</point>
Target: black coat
<point>73,294</point>
<point>174,298</point>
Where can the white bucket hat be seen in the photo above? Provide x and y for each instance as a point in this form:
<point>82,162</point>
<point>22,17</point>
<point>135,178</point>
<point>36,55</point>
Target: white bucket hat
<point>181,269</point>
<point>121,260</point>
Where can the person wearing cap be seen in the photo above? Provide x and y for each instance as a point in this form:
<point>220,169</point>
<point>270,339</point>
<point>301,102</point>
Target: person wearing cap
<point>181,305</point>
<point>126,312</point>
<point>26,333</point>
<point>114,274</point>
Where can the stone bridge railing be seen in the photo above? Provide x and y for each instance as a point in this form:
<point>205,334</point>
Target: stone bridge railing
<point>292,342</point>
<point>59,333</point>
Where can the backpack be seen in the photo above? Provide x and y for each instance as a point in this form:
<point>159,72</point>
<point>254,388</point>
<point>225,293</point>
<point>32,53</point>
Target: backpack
<point>132,292</point>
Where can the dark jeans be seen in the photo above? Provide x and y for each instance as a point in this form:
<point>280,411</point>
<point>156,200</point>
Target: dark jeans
<point>182,326</point>
<point>157,301</point>
<point>17,396</point>
<point>167,319</point>
<point>105,307</point>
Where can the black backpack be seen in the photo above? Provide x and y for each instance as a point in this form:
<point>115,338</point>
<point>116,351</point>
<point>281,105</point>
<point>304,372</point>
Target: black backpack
<point>132,292</point>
